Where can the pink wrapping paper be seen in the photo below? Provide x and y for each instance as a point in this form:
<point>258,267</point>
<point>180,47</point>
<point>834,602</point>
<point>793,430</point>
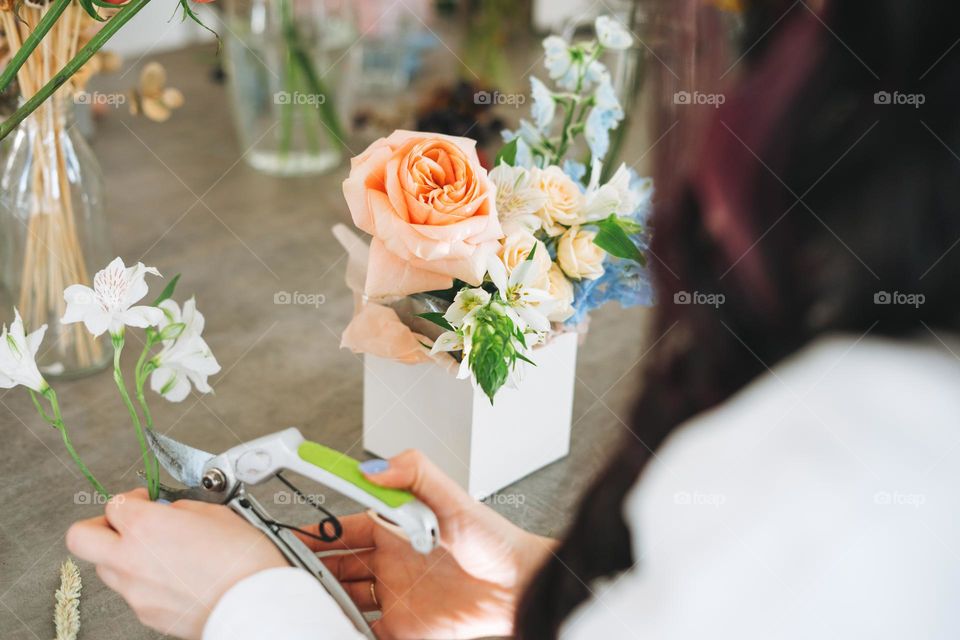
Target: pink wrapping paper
<point>376,328</point>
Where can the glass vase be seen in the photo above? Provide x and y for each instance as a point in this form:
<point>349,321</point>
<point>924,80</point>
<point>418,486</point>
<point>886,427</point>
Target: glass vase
<point>285,60</point>
<point>54,233</point>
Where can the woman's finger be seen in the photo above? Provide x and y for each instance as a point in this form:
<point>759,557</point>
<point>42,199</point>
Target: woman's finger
<point>350,565</point>
<point>93,540</point>
<point>357,534</point>
<point>362,594</point>
<point>413,471</point>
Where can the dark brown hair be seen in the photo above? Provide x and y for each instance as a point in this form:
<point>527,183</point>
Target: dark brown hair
<point>817,188</point>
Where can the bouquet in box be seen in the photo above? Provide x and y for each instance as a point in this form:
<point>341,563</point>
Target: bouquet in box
<point>474,269</point>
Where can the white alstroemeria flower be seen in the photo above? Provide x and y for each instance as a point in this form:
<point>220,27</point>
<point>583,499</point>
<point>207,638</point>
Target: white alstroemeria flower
<point>601,200</point>
<point>109,305</point>
<point>544,106</point>
<point>519,197</point>
<point>612,34</point>
<point>526,305</point>
<point>447,341</point>
<point>18,356</point>
<point>185,359</point>
<point>628,198</point>
<point>463,303</point>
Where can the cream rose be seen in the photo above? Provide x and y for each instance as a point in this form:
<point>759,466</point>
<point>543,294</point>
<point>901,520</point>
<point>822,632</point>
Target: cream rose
<point>516,248</point>
<point>564,203</point>
<point>561,291</point>
<point>578,256</point>
<point>429,205</point>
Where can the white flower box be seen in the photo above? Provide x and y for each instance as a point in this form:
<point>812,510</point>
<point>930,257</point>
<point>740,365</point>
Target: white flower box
<point>483,447</point>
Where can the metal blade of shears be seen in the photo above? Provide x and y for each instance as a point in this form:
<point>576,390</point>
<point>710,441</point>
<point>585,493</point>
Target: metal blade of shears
<point>181,461</point>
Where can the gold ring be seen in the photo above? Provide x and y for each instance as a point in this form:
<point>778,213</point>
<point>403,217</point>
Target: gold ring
<point>373,594</point>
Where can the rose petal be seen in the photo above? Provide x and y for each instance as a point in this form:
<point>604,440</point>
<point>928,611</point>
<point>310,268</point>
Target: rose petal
<point>388,275</point>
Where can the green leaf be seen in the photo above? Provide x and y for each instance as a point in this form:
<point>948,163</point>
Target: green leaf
<point>91,10</point>
<point>613,238</point>
<point>167,292</point>
<point>507,153</point>
<point>436,318</point>
<point>526,359</point>
<point>190,13</point>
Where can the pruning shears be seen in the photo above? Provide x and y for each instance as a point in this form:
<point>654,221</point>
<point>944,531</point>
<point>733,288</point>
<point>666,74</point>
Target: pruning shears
<point>223,478</point>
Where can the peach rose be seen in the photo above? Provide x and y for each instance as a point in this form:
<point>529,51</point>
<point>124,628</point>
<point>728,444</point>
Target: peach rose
<point>430,207</point>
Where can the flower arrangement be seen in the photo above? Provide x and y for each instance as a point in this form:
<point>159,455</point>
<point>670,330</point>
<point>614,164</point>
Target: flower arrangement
<point>500,261</point>
<point>175,356</point>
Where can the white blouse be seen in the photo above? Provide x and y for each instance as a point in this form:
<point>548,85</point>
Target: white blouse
<point>822,501</point>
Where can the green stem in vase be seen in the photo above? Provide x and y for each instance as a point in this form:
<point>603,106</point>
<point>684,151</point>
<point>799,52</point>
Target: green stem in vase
<point>56,421</point>
<point>53,13</point>
<point>149,464</point>
<point>309,114</point>
<point>286,108</point>
<point>327,108</point>
<point>122,17</point>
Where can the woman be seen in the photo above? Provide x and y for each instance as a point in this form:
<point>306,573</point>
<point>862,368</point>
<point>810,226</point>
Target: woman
<point>793,460</point>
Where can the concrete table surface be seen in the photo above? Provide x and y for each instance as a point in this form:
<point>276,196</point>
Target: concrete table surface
<point>181,198</point>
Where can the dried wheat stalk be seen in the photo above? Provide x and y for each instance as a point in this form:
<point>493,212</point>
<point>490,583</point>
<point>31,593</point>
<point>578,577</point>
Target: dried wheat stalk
<point>66,613</point>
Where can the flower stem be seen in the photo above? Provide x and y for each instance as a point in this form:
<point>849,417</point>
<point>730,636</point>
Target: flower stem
<point>122,17</point>
<point>286,109</point>
<point>140,375</point>
<point>328,111</point>
<point>52,14</point>
<point>56,421</point>
<point>149,464</point>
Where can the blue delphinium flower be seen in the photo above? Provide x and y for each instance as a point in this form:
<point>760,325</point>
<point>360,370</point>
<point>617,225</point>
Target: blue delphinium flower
<point>559,62</point>
<point>604,116</point>
<point>544,107</point>
<point>576,171</point>
<point>623,281</point>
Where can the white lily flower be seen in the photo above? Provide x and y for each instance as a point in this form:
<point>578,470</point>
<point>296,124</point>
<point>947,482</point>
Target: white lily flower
<point>18,356</point>
<point>109,306</point>
<point>447,341</point>
<point>185,359</point>
<point>526,305</point>
<point>600,200</point>
<point>612,34</point>
<point>464,302</point>
<point>519,197</point>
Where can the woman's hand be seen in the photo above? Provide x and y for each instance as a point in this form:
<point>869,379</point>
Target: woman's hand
<point>466,588</point>
<point>171,562</point>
